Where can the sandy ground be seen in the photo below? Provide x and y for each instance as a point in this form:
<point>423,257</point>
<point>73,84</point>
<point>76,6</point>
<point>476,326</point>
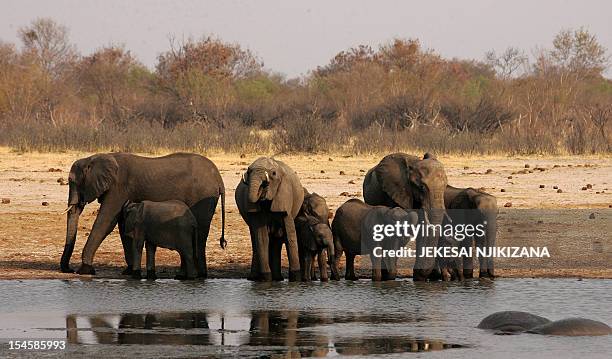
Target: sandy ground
<point>32,228</point>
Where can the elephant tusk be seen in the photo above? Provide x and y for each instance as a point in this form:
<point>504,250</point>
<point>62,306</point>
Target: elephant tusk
<point>267,177</point>
<point>67,209</point>
<point>426,217</point>
<point>244,178</point>
<point>450,220</point>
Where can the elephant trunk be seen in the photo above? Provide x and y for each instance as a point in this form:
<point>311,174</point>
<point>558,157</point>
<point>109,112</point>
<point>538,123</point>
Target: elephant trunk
<point>333,260</point>
<point>330,252</point>
<point>254,189</point>
<point>72,221</point>
<point>434,213</point>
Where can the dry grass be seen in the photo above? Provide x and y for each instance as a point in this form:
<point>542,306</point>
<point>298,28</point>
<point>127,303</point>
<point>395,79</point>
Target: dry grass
<point>32,236</point>
<point>299,135</point>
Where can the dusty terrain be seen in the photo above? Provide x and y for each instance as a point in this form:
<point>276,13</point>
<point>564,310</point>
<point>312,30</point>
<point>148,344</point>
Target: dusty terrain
<point>32,234</point>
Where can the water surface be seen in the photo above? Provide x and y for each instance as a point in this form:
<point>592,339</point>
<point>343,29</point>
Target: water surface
<point>228,317</point>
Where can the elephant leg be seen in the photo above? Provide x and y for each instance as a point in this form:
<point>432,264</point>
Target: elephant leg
<point>204,211</point>
<point>127,247</point>
<point>468,261</point>
<point>350,267</point>
<point>263,246</point>
<point>384,271</point>
<point>487,268</point>
<point>446,273</point>
<point>276,247</point>
<point>335,259</point>
<point>138,244</point>
<point>322,259</point>
<point>376,269</point>
<point>307,270</point>
<point>200,254</point>
<point>435,274</point>
<point>313,270</point>
<point>188,258</point>
<point>151,248</point>
<point>391,269</point>
<point>103,225</point>
<point>292,249</point>
<point>254,274</point>
<point>457,273</point>
<point>181,274</point>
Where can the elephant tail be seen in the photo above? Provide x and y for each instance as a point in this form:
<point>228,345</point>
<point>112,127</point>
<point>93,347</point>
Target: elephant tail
<point>222,241</point>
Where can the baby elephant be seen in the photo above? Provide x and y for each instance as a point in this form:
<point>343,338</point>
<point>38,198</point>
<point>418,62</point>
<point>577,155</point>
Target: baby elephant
<point>314,235</point>
<point>353,230</point>
<point>167,224</point>
<point>314,239</point>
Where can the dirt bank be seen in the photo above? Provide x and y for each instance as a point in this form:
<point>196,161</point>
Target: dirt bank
<point>32,234</point>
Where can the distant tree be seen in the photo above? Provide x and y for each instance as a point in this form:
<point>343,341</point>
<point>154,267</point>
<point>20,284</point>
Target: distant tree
<point>347,60</point>
<point>575,53</point>
<point>46,45</point>
<point>197,77</point>
<point>113,79</point>
<point>209,56</point>
<point>49,43</point>
<point>508,63</point>
<point>579,51</point>
<point>405,55</point>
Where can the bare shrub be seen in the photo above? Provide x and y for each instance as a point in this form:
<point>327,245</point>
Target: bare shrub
<point>309,134</point>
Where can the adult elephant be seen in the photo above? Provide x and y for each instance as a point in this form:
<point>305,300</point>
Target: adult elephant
<point>402,180</point>
<point>115,178</point>
<point>471,206</point>
<point>269,197</point>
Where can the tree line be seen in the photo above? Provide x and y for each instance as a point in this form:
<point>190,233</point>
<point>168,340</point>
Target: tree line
<point>207,95</point>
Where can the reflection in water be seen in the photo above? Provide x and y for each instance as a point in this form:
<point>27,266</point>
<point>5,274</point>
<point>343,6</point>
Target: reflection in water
<point>390,345</point>
<point>296,333</point>
<point>166,328</point>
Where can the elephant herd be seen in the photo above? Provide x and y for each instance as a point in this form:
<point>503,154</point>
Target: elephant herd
<point>170,202</point>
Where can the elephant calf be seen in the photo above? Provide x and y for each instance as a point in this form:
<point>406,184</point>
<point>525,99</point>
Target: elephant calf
<point>352,229</point>
<point>168,224</point>
<point>314,234</point>
<point>314,239</point>
<point>469,206</point>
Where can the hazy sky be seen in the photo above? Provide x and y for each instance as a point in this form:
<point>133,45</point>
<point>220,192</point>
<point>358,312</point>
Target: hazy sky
<point>293,37</point>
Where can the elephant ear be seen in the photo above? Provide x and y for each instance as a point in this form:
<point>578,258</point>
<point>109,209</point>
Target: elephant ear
<point>393,173</point>
<point>312,223</point>
<point>99,174</point>
<point>283,200</point>
<point>301,221</point>
<point>289,195</point>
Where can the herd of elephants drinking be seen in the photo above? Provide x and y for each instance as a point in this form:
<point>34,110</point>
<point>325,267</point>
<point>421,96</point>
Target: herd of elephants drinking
<point>170,201</point>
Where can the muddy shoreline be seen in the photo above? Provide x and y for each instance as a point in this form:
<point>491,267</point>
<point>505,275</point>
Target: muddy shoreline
<point>33,228</point>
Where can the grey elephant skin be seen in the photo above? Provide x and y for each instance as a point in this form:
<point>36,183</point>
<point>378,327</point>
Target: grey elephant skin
<point>168,224</point>
<point>573,327</point>
<point>402,180</point>
<point>512,321</point>
<point>471,206</point>
<point>315,239</point>
<point>352,228</point>
<point>269,197</point>
<point>524,322</point>
<point>115,178</point>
